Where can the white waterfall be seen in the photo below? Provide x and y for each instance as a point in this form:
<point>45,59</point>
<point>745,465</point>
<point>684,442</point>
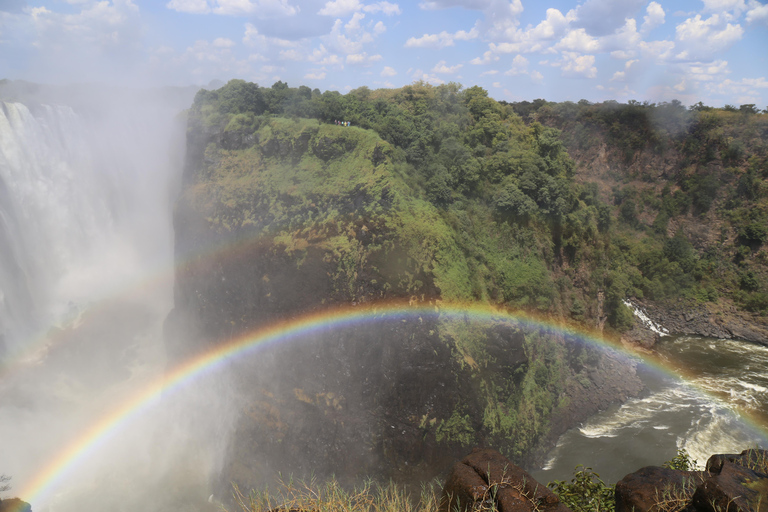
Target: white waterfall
<point>647,322</point>
<point>84,209</point>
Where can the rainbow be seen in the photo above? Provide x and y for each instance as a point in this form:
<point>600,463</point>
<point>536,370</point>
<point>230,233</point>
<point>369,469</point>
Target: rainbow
<point>41,486</point>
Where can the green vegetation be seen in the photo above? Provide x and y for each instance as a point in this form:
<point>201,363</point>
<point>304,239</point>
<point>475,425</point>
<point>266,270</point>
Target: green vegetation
<point>439,193</point>
<point>586,492</point>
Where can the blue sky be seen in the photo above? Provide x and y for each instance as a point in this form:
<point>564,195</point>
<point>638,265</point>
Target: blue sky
<point>715,51</point>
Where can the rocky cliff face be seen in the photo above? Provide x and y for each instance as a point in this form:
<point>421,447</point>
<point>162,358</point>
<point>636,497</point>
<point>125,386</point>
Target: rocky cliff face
<point>278,217</point>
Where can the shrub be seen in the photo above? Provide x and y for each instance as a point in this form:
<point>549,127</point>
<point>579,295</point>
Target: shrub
<point>586,492</point>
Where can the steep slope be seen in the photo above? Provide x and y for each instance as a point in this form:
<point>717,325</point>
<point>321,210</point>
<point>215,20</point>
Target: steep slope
<point>279,216</point>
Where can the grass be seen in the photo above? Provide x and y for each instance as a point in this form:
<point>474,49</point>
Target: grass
<point>330,496</point>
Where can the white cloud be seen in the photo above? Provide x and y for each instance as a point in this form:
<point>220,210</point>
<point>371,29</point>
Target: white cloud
<point>189,6</point>
<point>577,66</point>
<point>388,71</point>
<point>519,66</point>
<point>253,38</point>
<point>758,13</point>
<point>578,41</point>
<point>701,38</point>
<point>654,17</point>
<point>620,76</point>
<point>553,26</point>
<point>258,8</point>
<point>223,42</point>
<point>362,59</point>
<point>340,7</point>
<point>354,24</point>
<point>384,7</point>
<point>704,71</point>
<point>430,79</point>
<point>379,28</point>
<point>441,40</point>
<point>537,77</point>
<point>319,75</point>
<point>442,68</point>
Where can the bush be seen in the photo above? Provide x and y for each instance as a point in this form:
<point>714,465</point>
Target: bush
<point>586,492</point>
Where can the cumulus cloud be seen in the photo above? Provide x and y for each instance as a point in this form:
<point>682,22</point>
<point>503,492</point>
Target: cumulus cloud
<point>577,66</point>
<point>388,71</point>
<point>758,13</point>
<point>441,40</point>
<point>442,68</point>
<point>654,17</point>
<point>537,77</point>
<point>700,38</point>
<point>347,7</point>
<point>340,7</point>
<point>519,66</point>
<point>315,75</point>
<point>578,41</point>
<point>620,76</point>
<point>257,8</point>
<point>419,75</point>
<point>362,59</point>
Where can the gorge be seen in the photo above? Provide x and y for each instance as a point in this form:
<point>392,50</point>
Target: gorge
<point>435,276</point>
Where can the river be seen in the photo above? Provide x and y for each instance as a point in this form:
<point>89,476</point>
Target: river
<point>715,408</point>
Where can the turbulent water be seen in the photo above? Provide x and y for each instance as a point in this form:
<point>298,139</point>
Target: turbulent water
<point>714,409</point>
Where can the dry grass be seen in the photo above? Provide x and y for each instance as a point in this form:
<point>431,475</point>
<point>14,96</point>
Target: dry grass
<point>675,497</point>
<point>330,496</point>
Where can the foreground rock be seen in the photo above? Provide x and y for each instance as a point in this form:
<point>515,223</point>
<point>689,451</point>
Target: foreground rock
<point>486,480</point>
<point>736,483</point>
<point>14,505</point>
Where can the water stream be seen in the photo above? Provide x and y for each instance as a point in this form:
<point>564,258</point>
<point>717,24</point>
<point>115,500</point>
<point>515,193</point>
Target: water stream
<point>717,408</point>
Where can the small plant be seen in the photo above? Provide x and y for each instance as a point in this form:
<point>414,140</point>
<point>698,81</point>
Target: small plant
<point>586,492</point>
<point>755,459</point>
<point>681,462</point>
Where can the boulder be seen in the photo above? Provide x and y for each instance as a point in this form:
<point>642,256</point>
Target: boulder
<point>647,488</point>
<point>486,477</point>
<point>735,488</point>
<point>14,505</point>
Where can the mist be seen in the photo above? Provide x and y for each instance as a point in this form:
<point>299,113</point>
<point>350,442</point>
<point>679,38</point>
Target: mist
<point>88,176</point>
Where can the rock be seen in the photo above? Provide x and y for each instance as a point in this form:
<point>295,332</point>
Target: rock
<point>732,482</point>
<point>486,477</point>
<point>645,489</point>
<point>14,505</point>
<point>749,458</point>
<point>641,336</point>
<point>736,489</point>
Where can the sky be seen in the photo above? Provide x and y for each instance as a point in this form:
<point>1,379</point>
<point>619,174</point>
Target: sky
<point>714,51</point>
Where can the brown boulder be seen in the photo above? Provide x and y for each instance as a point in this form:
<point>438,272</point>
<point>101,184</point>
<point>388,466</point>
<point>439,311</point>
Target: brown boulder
<point>485,477</point>
<point>736,489</point>
<point>652,486</point>
<point>14,505</point>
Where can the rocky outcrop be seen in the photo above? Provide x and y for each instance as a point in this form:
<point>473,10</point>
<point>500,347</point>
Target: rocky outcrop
<point>737,483</point>
<point>486,480</point>
<point>697,319</point>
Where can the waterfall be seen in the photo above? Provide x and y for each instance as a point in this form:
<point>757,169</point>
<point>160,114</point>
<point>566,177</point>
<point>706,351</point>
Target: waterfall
<point>647,322</point>
<point>84,208</point>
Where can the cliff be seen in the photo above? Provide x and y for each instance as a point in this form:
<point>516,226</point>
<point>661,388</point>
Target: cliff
<point>280,216</point>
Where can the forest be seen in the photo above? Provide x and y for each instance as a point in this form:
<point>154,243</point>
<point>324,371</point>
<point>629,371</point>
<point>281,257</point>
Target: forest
<point>554,206</point>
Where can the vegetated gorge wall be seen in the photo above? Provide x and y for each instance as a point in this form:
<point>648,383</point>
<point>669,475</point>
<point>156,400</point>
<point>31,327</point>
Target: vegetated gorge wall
<point>278,217</point>
<point>696,177</point>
